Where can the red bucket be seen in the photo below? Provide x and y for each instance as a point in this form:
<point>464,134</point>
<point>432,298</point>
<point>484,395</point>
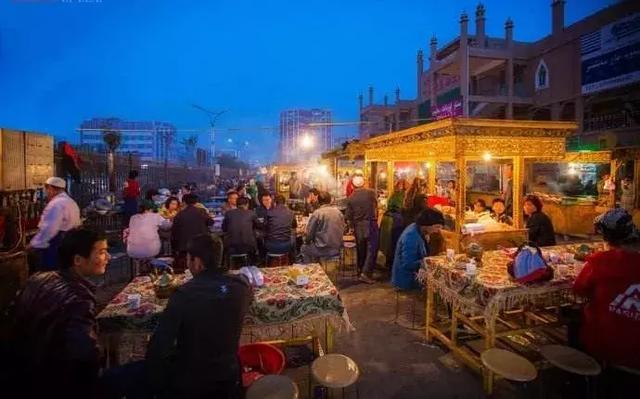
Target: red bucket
<point>259,359</point>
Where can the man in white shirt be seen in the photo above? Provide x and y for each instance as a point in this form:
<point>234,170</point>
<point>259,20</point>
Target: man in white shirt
<point>59,216</point>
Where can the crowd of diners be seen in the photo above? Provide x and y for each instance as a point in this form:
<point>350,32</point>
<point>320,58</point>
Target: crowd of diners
<point>54,348</point>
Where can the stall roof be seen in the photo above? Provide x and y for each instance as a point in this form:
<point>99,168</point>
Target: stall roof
<point>464,137</point>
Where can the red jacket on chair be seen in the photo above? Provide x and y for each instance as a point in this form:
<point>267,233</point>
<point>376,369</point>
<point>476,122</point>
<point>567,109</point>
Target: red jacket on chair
<point>610,327</point>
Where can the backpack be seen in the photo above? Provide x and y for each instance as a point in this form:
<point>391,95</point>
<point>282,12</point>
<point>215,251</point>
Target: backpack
<point>528,265</point>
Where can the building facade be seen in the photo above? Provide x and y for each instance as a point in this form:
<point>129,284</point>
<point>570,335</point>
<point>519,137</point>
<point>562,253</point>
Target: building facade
<point>304,134</point>
<point>587,72</point>
<point>150,140</point>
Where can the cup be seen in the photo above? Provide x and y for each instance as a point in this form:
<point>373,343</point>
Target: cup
<point>451,253</point>
<point>568,257</point>
<point>471,268</point>
<point>134,301</point>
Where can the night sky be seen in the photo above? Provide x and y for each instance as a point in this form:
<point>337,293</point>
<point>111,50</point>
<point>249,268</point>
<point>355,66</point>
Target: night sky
<point>63,61</point>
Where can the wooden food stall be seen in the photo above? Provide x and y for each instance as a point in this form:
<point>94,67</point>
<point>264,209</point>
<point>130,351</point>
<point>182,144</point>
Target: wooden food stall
<point>342,163</point>
<point>627,164</point>
<point>570,197</point>
<point>462,142</point>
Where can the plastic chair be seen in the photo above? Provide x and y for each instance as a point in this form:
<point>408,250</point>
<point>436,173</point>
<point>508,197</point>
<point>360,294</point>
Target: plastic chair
<point>336,371</point>
<point>273,387</point>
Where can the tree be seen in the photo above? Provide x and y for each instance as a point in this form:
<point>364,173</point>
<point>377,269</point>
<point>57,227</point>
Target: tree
<point>112,139</point>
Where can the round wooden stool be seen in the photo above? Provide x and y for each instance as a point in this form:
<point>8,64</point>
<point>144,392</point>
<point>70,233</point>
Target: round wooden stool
<point>336,372</point>
<point>331,266</point>
<point>509,366</point>
<point>273,387</point>
<point>572,361</point>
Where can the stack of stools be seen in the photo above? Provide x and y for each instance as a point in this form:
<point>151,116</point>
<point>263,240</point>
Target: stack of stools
<point>574,362</point>
<point>511,367</point>
<point>349,254</point>
<point>331,266</point>
<point>274,260</point>
<point>336,371</point>
<point>273,387</point>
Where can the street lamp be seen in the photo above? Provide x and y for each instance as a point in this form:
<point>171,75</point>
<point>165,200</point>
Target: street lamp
<point>306,141</point>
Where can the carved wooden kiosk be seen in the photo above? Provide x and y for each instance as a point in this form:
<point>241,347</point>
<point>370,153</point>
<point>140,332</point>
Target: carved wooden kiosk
<point>334,160</point>
<point>461,140</point>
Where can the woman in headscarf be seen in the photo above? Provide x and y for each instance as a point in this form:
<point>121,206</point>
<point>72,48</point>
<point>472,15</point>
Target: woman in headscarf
<point>414,201</point>
<point>391,227</point>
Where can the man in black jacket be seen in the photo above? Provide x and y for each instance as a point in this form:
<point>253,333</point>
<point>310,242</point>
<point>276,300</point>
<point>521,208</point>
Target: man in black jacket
<point>239,226</point>
<point>280,225</point>
<point>188,223</point>
<point>56,334</point>
<point>193,351</point>
<point>362,213</point>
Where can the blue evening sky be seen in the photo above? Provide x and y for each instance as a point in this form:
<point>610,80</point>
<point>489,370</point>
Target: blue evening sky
<point>63,61</point>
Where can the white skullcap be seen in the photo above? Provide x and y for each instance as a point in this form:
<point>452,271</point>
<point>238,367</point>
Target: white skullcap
<point>56,182</point>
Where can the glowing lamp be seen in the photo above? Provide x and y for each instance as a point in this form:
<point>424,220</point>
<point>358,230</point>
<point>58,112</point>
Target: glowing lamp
<point>383,175</point>
<point>486,156</point>
<point>306,141</point>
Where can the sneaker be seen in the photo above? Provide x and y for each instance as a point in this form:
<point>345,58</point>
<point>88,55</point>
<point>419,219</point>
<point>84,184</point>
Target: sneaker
<point>366,279</point>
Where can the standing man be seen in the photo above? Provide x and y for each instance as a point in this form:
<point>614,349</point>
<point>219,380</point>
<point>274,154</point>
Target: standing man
<point>362,207</point>
<point>130,196</point>
<point>56,334</point>
<point>59,216</point>
<point>294,186</point>
<point>507,195</point>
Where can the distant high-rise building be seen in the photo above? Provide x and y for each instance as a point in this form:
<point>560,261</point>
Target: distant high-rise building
<point>304,134</point>
<point>148,139</point>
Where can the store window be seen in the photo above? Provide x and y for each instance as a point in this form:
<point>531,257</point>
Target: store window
<point>542,76</point>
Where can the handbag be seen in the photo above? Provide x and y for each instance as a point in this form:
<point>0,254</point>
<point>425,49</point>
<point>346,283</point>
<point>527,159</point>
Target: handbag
<point>528,265</point>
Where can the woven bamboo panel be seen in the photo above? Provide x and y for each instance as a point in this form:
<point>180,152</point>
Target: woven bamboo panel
<point>12,171</point>
<point>38,159</point>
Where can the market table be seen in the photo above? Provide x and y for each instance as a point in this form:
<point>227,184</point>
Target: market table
<point>492,296</point>
<point>280,311</point>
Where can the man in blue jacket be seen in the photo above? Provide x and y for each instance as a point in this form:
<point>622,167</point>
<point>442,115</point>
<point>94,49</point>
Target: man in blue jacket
<point>413,247</point>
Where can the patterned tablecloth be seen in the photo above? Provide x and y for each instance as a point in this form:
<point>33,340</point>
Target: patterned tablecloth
<point>278,307</point>
<point>492,290</point>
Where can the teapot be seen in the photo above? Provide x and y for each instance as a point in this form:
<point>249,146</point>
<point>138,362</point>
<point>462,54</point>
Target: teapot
<point>164,282</point>
<point>474,250</point>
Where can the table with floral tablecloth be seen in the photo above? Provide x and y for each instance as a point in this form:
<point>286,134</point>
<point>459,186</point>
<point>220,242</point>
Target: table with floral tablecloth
<point>280,309</point>
<point>487,294</point>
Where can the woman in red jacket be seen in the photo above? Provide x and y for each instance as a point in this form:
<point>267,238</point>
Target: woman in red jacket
<point>130,196</point>
<point>610,281</point>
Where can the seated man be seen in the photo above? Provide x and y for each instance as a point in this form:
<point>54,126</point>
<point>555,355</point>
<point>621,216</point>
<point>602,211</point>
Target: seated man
<point>325,230</point>
<point>311,201</point>
<point>188,223</point>
<point>499,212</point>
<point>280,225</point>
<point>193,351</point>
<point>412,247</point>
<point>239,227</point>
<point>56,335</point>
